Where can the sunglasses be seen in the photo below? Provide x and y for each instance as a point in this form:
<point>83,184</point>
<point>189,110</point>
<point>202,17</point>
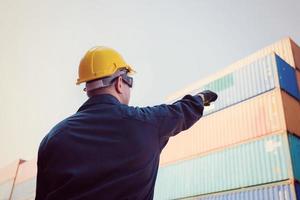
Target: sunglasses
<point>126,79</point>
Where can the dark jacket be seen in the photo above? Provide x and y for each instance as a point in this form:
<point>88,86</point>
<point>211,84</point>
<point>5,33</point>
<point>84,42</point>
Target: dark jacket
<point>108,150</point>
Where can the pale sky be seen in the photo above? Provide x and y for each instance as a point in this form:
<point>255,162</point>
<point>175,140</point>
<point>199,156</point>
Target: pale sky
<point>170,43</point>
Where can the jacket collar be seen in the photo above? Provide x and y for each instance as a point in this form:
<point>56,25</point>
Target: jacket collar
<point>100,99</point>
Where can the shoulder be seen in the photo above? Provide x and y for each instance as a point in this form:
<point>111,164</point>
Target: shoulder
<point>58,128</point>
<point>54,132</point>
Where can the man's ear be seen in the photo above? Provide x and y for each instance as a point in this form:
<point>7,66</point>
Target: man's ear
<point>119,85</point>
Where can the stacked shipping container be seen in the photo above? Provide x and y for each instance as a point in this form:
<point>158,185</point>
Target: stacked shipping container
<point>271,112</point>
<point>286,49</point>
<point>257,162</point>
<point>250,80</point>
<point>248,137</point>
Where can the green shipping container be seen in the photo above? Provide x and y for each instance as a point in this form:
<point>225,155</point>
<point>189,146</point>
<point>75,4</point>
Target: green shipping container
<point>261,161</point>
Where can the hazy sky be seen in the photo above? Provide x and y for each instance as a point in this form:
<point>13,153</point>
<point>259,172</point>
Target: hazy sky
<point>170,44</point>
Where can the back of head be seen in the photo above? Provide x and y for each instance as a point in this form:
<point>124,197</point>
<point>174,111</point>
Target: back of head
<point>105,72</point>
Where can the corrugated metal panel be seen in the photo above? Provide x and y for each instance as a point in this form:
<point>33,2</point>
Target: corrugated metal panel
<point>248,81</point>
<point>292,113</point>
<point>248,164</point>
<point>287,78</point>
<point>253,118</point>
<point>284,48</point>
<point>25,183</point>
<point>244,83</point>
<point>294,142</point>
<point>279,191</point>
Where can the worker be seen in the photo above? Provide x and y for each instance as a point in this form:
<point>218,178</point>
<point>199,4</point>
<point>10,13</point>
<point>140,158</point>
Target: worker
<point>107,149</point>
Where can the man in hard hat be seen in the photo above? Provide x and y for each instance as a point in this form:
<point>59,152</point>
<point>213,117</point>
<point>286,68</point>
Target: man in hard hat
<point>107,149</point>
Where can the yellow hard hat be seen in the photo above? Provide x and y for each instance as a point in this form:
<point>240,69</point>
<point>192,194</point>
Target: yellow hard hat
<point>100,62</point>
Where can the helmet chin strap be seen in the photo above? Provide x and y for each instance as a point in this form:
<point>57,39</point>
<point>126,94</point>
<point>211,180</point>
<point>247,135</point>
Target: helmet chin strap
<point>104,82</point>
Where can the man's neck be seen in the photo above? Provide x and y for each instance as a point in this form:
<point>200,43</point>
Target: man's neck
<point>103,91</point>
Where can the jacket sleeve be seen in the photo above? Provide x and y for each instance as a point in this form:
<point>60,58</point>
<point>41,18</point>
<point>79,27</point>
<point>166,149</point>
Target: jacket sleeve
<point>179,116</point>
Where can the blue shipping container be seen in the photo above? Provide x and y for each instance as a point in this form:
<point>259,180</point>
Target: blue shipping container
<point>294,142</point>
<point>278,191</point>
<point>251,80</point>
